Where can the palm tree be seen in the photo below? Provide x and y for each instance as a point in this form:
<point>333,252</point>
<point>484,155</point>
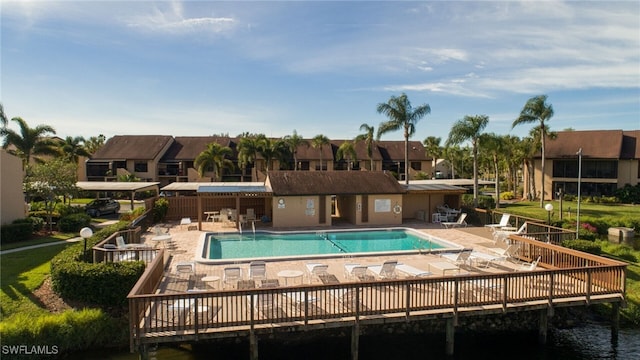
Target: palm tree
<point>72,148</point>
<point>294,141</point>
<point>94,143</point>
<point>215,156</point>
<point>318,142</point>
<point>537,110</point>
<point>29,142</point>
<point>248,147</point>
<point>273,150</point>
<point>433,148</point>
<point>369,140</point>
<point>469,128</point>
<point>347,151</point>
<point>494,145</point>
<point>401,115</point>
<point>3,118</point>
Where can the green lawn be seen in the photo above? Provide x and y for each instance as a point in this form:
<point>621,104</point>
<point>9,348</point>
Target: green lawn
<point>587,210</point>
<point>20,274</point>
<point>40,240</point>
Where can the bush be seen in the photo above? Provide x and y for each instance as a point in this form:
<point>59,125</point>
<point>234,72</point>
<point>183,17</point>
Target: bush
<point>63,333</point>
<point>74,222</point>
<point>583,245</point>
<point>160,209</point>
<point>629,194</point>
<point>16,232</point>
<point>105,284</point>
<point>484,202</point>
<point>507,195</point>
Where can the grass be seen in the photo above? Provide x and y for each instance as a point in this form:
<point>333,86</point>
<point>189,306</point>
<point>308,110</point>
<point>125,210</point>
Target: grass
<point>532,209</point>
<point>22,273</point>
<point>58,237</point>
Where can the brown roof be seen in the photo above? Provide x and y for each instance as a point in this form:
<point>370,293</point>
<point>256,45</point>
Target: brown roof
<point>133,147</point>
<point>630,145</point>
<point>361,149</point>
<point>597,144</point>
<point>394,150</point>
<point>309,152</point>
<point>333,183</point>
<point>187,148</point>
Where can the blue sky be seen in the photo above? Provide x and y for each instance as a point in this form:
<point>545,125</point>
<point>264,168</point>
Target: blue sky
<point>191,68</point>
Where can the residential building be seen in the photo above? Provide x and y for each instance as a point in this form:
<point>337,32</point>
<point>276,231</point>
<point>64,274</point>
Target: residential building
<point>12,204</point>
<point>610,160</point>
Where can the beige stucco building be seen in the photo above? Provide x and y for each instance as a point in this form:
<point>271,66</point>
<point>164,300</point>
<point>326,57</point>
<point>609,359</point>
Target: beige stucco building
<point>12,205</point>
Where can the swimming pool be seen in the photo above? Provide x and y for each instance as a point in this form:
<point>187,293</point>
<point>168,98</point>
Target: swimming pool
<point>282,245</point>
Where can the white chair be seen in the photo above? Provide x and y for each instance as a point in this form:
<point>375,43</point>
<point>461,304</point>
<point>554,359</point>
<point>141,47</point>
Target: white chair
<point>459,223</point>
<point>317,270</point>
<point>413,271</point>
<point>257,270</point>
<point>502,234</point>
<point>251,215</point>
<point>504,221</point>
<point>356,271</point>
<point>231,276</point>
<point>529,267</point>
<point>385,271</point>
<point>459,258</point>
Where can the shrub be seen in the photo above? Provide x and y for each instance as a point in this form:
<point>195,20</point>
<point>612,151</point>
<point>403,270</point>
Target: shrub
<point>16,232</point>
<point>105,284</point>
<point>69,331</point>
<point>507,195</point>
<point>583,245</point>
<point>74,222</point>
<point>160,209</point>
<point>484,202</point>
<point>629,194</point>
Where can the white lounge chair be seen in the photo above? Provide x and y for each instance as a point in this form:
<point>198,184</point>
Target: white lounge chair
<point>487,259</point>
<point>504,221</point>
<point>231,276</point>
<point>317,270</point>
<point>385,271</point>
<point>356,271</point>
<point>257,270</point>
<point>502,234</point>
<point>459,258</point>
<point>413,271</point>
<point>531,266</point>
<point>456,224</point>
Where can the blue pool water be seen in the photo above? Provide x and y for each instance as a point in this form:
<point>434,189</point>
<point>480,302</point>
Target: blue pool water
<point>268,244</point>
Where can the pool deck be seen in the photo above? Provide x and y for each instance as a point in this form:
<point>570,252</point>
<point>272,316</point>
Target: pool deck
<point>185,243</point>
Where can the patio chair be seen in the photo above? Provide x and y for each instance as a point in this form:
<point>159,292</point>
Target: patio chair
<point>459,258</point>
<point>257,270</point>
<point>357,272</point>
<point>251,215</point>
<point>317,270</point>
<point>231,276</point>
<point>413,271</point>
<point>385,271</point>
<point>121,244</point>
<point>510,253</point>
<point>503,234</point>
<point>487,259</point>
<point>529,266</point>
<point>504,221</point>
<point>459,223</point>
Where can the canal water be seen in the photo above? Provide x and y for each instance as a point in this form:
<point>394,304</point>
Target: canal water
<point>589,342</point>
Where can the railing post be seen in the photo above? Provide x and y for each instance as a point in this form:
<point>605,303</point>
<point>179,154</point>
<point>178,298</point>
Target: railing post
<point>408,299</point>
<point>450,335</point>
<point>615,322</point>
<point>355,340</point>
<point>588,292</point>
<point>542,327</point>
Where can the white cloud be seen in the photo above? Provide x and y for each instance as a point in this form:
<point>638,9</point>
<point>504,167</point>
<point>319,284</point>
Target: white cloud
<point>172,20</point>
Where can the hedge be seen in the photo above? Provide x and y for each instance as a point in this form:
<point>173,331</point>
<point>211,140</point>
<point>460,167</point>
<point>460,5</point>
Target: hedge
<point>583,245</point>
<point>16,232</point>
<point>74,222</point>
<point>105,284</point>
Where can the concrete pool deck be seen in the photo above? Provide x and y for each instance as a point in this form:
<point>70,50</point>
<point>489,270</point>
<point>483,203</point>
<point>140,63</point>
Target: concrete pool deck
<point>185,242</point>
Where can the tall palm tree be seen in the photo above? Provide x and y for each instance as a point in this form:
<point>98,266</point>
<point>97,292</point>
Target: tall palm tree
<point>3,118</point>
<point>215,156</point>
<point>29,142</point>
<point>537,110</point>
<point>369,140</point>
<point>94,143</point>
<point>293,142</point>
<point>469,129</point>
<point>347,151</point>
<point>248,147</point>
<point>494,145</point>
<point>273,150</point>
<point>72,148</point>
<point>433,148</point>
<point>401,116</point>
<point>318,142</point>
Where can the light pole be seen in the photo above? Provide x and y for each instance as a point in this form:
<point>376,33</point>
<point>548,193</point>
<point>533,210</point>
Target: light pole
<point>549,208</point>
<point>85,233</point>
<point>579,179</point>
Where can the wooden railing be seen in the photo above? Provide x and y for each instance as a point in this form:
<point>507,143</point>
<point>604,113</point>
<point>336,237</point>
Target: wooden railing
<point>111,253</point>
<point>535,229</point>
<point>562,274</point>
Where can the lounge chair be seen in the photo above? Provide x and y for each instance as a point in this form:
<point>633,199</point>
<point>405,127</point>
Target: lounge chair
<point>231,276</point>
<point>459,223</point>
<point>385,271</point>
<point>459,258</point>
<point>413,271</point>
<point>257,270</point>
<point>251,215</point>
<point>504,221</point>
<point>487,259</point>
<point>186,267</point>
<point>121,244</point>
<point>529,266</point>
<point>356,271</point>
<point>510,253</point>
<point>503,233</point>
<point>317,270</point>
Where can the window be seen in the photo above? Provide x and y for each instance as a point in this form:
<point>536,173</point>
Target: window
<point>140,166</point>
<point>416,165</point>
<point>591,169</point>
